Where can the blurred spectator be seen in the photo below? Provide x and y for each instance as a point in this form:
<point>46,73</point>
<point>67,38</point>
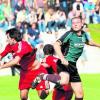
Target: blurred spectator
<point>69,4</point>
<point>63,5</point>
<point>78,7</point>
<point>98,10</point>
<point>39,53</point>
<point>19,26</point>
<point>32,16</point>
<point>13,4</point>
<point>21,15</point>
<point>2,16</point>
<point>18,7</point>
<point>3,41</point>
<point>41,20</point>
<point>25,27</point>
<point>38,4</point>
<point>33,35</point>
<point>90,12</point>
<point>50,20</point>
<point>60,18</point>
<point>71,14</point>
<point>51,2</point>
<point>8,12</point>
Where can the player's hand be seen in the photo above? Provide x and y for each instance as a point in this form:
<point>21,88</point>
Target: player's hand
<point>64,61</point>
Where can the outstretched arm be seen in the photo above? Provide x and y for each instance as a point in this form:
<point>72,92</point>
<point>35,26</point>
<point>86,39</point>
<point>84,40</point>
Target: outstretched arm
<point>11,63</point>
<point>92,43</point>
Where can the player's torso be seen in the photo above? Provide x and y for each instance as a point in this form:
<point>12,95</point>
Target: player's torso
<point>76,45</point>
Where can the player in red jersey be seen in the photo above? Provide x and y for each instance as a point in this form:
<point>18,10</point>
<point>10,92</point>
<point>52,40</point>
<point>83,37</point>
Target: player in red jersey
<point>24,55</point>
<point>63,92</point>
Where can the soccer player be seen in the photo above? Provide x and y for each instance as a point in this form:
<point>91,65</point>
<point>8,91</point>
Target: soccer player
<point>75,39</point>
<point>63,92</point>
<point>24,55</point>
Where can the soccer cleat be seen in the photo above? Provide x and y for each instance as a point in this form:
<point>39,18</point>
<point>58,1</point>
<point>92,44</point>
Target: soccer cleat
<point>36,81</point>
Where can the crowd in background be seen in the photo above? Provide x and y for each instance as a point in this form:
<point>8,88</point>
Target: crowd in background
<point>43,21</point>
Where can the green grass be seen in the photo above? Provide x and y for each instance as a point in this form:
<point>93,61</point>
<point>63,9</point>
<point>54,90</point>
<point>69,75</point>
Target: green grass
<point>95,32</point>
<point>9,88</point>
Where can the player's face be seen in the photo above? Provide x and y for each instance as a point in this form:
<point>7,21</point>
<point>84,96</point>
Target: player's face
<point>10,40</point>
<point>76,24</point>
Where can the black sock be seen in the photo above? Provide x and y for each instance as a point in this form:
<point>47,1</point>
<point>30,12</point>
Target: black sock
<point>78,98</point>
<point>52,78</point>
<point>43,95</point>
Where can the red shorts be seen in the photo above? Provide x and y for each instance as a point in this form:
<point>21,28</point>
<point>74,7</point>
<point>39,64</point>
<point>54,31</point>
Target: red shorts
<point>67,87</point>
<point>26,79</point>
<point>63,95</point>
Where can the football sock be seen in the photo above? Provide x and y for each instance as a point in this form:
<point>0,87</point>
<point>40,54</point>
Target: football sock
<point>52,78</point>
<point>78,98</point>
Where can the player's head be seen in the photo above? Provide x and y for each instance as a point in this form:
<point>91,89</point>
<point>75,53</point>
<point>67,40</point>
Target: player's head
<point>48,49</point>
<point>13,35</point>
<point>77,24</point>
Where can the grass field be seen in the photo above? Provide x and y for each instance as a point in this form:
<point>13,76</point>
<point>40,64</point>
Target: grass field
<point>91,82</point>
<point>95,32</point>
<point>9,88</point>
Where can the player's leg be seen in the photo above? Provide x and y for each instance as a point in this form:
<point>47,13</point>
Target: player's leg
<point>58,95</point>
<point>43,94</point>
<point>61,79</point>
<point>43,89</point>
<point>64,78</point>
<point>78,90</point>
<point>68,95</point>
<point>76,83</point>
<point>24,94</point>
<point>62,95</point>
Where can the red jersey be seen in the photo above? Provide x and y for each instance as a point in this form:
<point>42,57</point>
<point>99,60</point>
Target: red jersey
<point>51,61</point>
<point>23,50</point>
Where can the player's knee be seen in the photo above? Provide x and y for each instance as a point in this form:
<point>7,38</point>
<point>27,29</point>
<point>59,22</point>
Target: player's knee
<point>24,97</point>
<point>43,94</point>
<point>79,94</point>
<point>64,78</point>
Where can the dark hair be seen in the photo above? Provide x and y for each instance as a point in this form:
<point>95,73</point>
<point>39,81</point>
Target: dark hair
<point>14,33</point>
<point>48,49</point>
<point>80,17</point>
<point>78,7</point>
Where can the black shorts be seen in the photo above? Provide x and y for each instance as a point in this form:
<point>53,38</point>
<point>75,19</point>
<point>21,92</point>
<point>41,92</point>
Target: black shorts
<point>71,69</point>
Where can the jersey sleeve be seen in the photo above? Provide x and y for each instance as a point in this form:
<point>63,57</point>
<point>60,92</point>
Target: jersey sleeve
<point>64,38</point>
<point>6,51</point>
<point>22,50</point>
<point>51,61</point>
<point>88,36</point>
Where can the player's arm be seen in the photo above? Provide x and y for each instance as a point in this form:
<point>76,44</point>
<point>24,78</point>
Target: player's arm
<point>11,63</point>
<point>92,43</point>
<point>57,47</point>
<point>58,43</point>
